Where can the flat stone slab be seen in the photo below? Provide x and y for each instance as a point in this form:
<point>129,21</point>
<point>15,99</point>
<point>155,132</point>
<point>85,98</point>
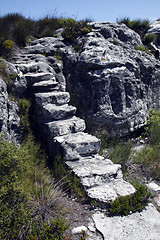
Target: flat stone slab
<point>109,191</point>
<point>95,171</point>
<point>37,77</point>
<point>140,226</point>
<point>58,98</point>
<point>45,86</point>
<point>66,126</point>
<point>54,112</point>
<point>79,144</point>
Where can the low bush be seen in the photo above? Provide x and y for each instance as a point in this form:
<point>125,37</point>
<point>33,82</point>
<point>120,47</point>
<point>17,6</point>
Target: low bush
<point>124,205</point>
<point>149,157</point>
<point>149,160</point>
<point>148,38</point>
<point>28,205</point>
<point>152,129</point>
<point>140,26</point>
<point>73,30</point>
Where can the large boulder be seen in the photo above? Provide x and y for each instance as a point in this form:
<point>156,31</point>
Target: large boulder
<point>112,84</point>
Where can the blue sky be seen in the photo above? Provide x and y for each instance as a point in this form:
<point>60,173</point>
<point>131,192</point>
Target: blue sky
<point>97,10</point>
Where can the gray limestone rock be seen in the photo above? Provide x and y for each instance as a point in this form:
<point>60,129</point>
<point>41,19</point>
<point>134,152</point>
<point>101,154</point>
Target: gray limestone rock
<point>65,126</point>
<point>78,144</point>
<point>112,84</point>
<point>139,226</point>
<point>110,190</point>
<point>45,86</point>
<point>54,112</point>
<point>58,98</point>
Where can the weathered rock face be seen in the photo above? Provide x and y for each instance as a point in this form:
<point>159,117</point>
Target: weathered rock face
<point>112,84</point>
<point>9,119</point>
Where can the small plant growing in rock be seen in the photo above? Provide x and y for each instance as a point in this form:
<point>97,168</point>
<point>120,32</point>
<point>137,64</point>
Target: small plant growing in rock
<point>24,106</point>
<point>142,48</point>
<point>83,235</point>
<point>8,45</point>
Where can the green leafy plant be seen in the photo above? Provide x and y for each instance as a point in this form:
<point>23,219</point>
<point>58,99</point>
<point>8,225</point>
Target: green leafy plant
<point>148,38</point>
<point>152,129</point>
<point>8,45</point>
<point>124,205</point>
<point>149,157</point>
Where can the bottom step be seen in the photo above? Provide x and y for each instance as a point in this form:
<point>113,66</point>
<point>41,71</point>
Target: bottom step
<point>110,191</point>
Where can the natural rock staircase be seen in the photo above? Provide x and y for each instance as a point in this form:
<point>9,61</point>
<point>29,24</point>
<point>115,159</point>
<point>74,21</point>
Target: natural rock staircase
<point>64,132</point>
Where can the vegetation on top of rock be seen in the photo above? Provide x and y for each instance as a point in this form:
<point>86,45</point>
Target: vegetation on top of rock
<point>140,26</point>
<point>75,29</point>
<point>15,28</point>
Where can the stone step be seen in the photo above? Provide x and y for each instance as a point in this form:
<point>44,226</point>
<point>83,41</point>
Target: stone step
<point>77,145</point>
<point>38,77</point>
<point>44,86</point>
<point>95,170</point>
<point>109,191</point>
<point>33,66</point>
<point>58,98</point>
<point>54,112</point>
<point>66,126</point>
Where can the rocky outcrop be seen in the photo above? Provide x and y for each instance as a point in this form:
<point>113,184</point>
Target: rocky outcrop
<point>63,132</point>
<point>112,84</point>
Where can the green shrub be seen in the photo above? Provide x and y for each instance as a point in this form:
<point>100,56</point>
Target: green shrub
<point>152,129</point>
<point>3,72</point>
<point>149,157</point>
<point>8,45</point>
<point>17,28</point>
<point>140,26</point>
<point>14,211</point>
<point>124,205</point>
<point>148,38</point>
<point>29,202</point>
<point>73,30</point>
